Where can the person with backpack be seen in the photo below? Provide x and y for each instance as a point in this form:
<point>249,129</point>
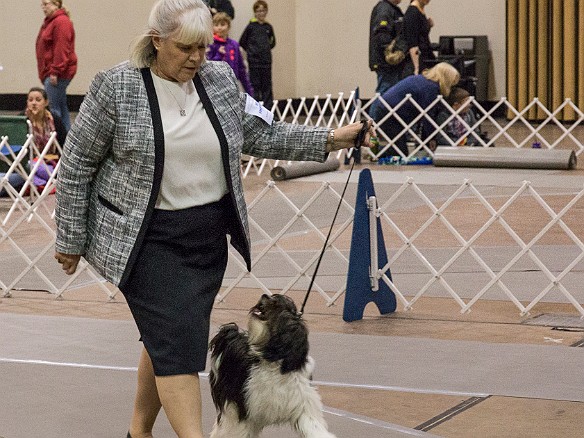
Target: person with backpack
<point>384,28</point>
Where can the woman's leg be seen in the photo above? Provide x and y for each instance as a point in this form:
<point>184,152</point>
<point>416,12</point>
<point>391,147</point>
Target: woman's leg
<point>58,100</point>
<point>147,404</point>
<point>181,398</point>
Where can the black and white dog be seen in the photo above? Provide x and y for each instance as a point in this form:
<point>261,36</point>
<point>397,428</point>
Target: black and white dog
<point>261,377</point>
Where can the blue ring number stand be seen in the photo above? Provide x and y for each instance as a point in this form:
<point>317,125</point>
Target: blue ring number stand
<point>359,292</point>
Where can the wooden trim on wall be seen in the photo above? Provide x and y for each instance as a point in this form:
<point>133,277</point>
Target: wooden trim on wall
<point>17,102</point>
<point>512,52</point>
<point>545,55</point>
<point>543,50</point>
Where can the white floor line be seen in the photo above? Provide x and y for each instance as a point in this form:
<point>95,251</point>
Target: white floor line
<point>399,389</point>
<point>332,411</point>
<point>67,364</point>
<point>206,375</point>
<point>376,423</point>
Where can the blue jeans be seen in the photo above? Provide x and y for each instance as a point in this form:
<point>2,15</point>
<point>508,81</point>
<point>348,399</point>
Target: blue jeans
<point>386,80</point>
<point>58,99</point>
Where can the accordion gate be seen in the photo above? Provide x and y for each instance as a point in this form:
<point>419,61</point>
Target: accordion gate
<point>435,245</point>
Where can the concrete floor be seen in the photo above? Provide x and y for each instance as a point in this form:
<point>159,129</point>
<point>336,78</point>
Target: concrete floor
<point>68,369</point>
<point>67,366</point>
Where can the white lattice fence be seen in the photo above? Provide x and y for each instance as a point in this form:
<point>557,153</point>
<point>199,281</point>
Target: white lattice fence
<point>330,113</point>
<point>517,132</point>
<point>521,247</point>
<point>27,229</point>
<point>287,243</point>
<point>430,248</point>
<point>463,244</point>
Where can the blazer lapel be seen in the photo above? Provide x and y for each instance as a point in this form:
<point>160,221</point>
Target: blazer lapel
<point>208,106</point>
<point>158,168</point>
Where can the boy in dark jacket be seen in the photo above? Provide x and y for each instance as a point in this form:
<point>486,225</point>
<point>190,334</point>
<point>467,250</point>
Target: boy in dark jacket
<point>384,26</point>
<point>258,40</point>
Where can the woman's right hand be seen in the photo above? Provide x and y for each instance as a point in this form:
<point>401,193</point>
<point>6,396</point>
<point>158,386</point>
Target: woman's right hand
<point>68,262</point>
<point>346,136</point>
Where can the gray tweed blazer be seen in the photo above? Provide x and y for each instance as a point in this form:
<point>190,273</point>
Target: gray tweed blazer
<point>112,162</point>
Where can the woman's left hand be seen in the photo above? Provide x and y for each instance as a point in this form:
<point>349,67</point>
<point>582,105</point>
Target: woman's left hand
<point>345,137</point>
<point>68,262</point>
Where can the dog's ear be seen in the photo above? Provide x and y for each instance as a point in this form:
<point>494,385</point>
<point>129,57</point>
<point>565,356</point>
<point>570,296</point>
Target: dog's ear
<point>288,342</point>
<point>230,368</point>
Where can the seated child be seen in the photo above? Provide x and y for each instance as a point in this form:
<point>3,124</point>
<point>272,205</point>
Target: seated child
<point>43,124</point>
<point>456,129</point>
<point>226,49</point>
<point>14,179</point>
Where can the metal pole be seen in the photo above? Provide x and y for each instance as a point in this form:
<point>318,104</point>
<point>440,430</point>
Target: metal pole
<point>373,265</point>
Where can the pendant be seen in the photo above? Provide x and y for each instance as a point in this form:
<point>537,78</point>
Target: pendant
<point>183,112</point>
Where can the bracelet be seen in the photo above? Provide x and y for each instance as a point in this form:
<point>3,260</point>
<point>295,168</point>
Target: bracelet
<point>331,139</point>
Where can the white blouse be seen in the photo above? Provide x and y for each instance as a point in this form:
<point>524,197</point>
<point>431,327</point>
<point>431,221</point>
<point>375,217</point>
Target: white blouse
<point>193,169</point>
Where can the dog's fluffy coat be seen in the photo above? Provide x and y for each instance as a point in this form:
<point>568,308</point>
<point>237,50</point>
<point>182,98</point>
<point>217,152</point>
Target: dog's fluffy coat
<point>261,377</point>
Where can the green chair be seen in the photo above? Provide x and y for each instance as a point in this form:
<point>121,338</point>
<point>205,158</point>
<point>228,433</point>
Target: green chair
<point>17,129</point>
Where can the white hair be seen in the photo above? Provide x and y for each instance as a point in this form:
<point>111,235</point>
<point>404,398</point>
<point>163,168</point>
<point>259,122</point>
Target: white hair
<point>188,20</point>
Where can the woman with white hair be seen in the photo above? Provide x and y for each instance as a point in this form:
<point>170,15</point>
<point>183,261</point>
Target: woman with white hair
<point>150,185</point>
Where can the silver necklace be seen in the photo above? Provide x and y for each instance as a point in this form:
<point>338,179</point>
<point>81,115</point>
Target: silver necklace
<point>183,111</point>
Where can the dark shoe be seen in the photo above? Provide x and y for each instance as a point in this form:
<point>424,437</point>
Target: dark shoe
<point>129,436</point>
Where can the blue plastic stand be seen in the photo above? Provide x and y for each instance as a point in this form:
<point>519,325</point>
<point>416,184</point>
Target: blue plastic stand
<point>359,292</point>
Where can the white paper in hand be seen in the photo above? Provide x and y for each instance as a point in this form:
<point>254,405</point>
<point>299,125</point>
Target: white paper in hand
<point>254,108</point>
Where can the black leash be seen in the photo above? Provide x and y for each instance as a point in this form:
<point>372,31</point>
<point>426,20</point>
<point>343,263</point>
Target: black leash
<point>358,141</point>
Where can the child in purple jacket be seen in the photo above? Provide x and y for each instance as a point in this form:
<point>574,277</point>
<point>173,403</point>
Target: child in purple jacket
<point>226,49</point>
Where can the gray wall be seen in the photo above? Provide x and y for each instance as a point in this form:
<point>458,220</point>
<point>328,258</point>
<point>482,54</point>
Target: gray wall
<point>321,45</point>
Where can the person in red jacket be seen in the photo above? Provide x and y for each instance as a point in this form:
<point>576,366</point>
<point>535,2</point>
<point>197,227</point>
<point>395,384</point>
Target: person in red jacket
<point>56,58</point>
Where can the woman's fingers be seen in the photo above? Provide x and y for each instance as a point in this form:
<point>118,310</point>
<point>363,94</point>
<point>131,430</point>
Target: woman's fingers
<point>68,262</point>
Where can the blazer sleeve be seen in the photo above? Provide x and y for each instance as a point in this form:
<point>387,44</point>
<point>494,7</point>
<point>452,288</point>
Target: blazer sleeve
<point>88,141</point>
<point>282,140</point>
<point>250,134</point>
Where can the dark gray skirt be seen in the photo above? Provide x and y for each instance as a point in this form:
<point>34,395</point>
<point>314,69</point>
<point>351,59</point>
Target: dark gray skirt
<point>173,285</point>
